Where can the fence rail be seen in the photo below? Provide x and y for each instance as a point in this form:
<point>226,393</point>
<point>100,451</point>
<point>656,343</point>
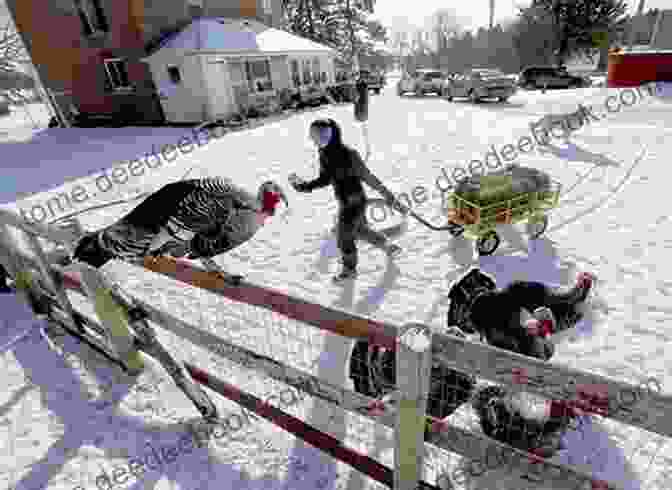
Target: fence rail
<point>405,407</point>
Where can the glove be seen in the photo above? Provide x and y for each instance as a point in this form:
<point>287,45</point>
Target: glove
<point>297,183</point>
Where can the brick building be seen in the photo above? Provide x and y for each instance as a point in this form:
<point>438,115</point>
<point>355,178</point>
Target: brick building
<point>87,52</point>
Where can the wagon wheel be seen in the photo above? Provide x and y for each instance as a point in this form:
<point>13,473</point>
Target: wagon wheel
<point>537,226</point>
<point>487,243</point>
<point>455,229</point>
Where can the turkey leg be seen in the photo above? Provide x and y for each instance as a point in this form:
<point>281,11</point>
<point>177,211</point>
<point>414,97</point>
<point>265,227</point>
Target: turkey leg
<point>211,266</point>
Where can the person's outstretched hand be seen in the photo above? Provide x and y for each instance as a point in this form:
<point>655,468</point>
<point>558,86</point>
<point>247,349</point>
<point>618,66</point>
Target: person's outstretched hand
<point>295,181</point>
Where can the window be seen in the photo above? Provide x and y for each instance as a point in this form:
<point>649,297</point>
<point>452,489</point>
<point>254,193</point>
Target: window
<point>92,16</point>
<point>324,77</point>
<point>238,79</point>
<point>174,74</point>
<point>259,75</point>
<point>296,75</point>
<point>117,76</point>
<point>306,71</point>
<point>267,5</point>
<point>316,70</point>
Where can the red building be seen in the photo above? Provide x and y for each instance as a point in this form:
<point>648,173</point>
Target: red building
<point>633,67</point>
<point>87,52</point>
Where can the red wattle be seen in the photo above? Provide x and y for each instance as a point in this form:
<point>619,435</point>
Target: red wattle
<point>269,202</point>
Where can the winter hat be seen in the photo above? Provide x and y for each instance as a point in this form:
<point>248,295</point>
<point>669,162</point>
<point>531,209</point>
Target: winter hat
<point>325,136</point>
<point>325,131</point>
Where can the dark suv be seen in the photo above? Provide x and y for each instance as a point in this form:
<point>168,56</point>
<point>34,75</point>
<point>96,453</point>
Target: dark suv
<point>550,76</point>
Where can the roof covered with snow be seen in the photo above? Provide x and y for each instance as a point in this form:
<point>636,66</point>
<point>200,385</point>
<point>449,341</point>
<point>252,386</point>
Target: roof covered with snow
<point>236,35</point>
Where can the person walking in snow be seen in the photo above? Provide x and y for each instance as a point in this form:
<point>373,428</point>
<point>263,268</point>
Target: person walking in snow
<point>343,168</point>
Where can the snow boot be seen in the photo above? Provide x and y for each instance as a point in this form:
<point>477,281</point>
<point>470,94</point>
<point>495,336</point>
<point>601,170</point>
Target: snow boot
<point>345,274</point>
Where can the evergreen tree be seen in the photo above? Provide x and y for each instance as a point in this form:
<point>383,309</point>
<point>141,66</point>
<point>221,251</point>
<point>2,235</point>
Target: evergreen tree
<point>579,25</point>
<point>340,24</point>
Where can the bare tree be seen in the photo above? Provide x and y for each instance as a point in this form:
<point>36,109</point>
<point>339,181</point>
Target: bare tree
<point>13,56</point>
<point>444,24</point>
<point>577,23</point>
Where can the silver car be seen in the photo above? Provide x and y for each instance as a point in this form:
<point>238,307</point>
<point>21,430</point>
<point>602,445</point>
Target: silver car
<point>421,82</point>
<point>481,83</point>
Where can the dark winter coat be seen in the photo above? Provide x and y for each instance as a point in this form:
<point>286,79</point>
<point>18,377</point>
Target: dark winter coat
<point>343,168</point>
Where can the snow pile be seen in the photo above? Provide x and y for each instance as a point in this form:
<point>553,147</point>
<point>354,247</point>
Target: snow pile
<point>73,421</point>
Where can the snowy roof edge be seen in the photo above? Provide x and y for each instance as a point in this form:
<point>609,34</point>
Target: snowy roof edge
<point>239,53</point>
<point>244,23</point>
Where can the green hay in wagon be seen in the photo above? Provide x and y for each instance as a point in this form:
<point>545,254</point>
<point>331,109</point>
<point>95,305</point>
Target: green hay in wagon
<point>510,190</point>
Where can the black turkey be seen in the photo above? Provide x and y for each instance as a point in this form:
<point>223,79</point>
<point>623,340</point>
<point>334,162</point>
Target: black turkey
<point>196,219</point>
<point>509,318</point>
<point>373,372</point>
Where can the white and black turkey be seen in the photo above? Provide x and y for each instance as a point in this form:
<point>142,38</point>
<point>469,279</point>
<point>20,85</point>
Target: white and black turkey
<point>196,219</point>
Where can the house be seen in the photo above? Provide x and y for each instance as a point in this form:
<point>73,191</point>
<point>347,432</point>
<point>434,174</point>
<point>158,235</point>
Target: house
<point>662,31</point>
<point>216,67</point>
<point>87,52</point>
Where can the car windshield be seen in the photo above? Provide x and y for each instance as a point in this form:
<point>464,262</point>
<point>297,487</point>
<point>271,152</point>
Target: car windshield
<point>431,74</point>
<point>487,73</point>
<point>547,71</point>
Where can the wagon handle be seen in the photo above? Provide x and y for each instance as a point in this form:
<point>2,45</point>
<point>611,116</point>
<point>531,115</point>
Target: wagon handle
<point>448,227</point>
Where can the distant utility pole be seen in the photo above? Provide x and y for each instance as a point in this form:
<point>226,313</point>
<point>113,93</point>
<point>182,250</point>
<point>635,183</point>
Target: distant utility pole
<point>492,14</point>
<point>354,61</point>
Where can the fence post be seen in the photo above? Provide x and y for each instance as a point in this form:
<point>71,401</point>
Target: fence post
<point>413,368</point>
<point>16,267</point>
<point>48,275</point>
<point>113,316</point>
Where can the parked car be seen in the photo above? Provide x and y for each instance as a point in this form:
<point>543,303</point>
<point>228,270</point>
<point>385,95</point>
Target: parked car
<point>550,76</point>
<point>421,82</point>
<point>374,80</point>
<point>480,83</point>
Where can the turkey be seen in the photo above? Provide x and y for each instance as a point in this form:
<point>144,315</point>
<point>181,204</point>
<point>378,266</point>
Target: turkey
<point>197,219</point>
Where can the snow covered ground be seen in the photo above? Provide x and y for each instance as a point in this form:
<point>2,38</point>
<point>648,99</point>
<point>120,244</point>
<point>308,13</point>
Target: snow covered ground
<point>67,417</point>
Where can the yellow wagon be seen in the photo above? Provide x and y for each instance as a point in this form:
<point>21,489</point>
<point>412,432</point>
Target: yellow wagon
<point>512,195</point>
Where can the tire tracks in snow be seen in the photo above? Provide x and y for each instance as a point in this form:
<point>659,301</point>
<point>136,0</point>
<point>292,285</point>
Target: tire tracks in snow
<point>613,192</point>
<point>565,204</point>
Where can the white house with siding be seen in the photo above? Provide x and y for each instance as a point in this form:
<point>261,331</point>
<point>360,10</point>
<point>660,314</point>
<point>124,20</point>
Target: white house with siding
<point>214,66</point>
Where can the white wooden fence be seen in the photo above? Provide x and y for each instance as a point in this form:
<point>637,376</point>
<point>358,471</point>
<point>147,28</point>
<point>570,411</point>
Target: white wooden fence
<point>416,345</point>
